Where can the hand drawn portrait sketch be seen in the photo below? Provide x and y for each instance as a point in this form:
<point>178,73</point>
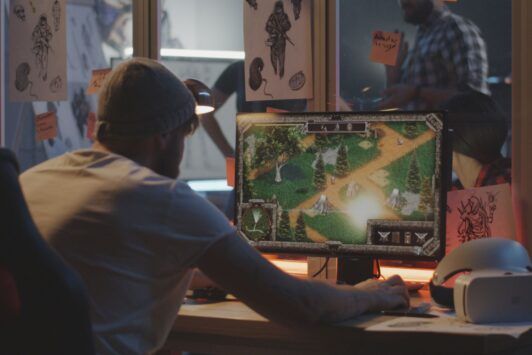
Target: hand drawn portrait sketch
<point>37,52</point>
<point>277,33</point>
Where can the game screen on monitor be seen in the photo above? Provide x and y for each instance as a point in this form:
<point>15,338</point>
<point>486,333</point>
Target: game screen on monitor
<point>342,183</point>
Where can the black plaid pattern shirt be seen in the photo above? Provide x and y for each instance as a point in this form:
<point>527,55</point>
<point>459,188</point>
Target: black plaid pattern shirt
<point>449,53</point>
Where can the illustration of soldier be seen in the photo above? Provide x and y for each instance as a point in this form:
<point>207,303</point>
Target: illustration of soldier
<point>277,26</point>
<point>41,37</point>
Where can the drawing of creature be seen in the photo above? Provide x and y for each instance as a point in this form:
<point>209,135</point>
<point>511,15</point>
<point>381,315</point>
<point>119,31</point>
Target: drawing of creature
<point>41,37</point>
<point>296,5</point>
<point>253,3</point>
<point>255,79</point>
<point>277,26</point>
<point>56,14</point>
<point>475,217</point>
<point>56,84</point>
<point>20,12</point>
<point>22,80</point>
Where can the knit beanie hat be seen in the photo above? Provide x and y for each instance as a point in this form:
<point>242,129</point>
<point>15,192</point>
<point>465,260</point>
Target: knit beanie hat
<point>141,97</point>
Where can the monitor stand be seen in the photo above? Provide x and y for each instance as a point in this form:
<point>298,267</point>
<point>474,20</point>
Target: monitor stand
<point>342,270</point>
<point>352,270</point>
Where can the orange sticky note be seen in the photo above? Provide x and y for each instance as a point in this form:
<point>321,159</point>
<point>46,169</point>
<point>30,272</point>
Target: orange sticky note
<point>230,171</point>
<point>385,47</point>
<point>275,110</point>
<point>91,123</point>
<point>98,77</point>
<point>46,126</point>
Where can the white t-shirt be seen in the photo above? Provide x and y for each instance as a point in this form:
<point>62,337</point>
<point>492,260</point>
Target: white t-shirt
<point>132,235</point>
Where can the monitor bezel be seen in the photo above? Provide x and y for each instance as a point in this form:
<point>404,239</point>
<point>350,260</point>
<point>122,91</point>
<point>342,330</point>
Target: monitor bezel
<point>332,249</point>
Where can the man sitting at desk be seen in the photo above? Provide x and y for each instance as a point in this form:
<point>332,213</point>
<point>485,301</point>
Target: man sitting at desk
<point>117,215</point>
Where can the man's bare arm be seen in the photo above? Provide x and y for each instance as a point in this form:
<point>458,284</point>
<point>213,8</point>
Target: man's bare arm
<point>237,267</point>
<point>212,127</point>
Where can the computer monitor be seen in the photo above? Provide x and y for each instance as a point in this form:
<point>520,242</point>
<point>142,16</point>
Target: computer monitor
<point>343,184</point>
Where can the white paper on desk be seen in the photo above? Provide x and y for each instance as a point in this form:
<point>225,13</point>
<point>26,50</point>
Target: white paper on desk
<point>450,325</point>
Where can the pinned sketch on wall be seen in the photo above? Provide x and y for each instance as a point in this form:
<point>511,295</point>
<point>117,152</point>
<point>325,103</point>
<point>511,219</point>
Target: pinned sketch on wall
<point>479,213</point>
<point>253,4</point>
<point>37,54</point>
<point>277,38</point>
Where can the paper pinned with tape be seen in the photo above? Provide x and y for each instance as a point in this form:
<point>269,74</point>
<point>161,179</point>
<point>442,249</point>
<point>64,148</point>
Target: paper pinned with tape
<point>46,126</point>
<point>97,80</point>
<point>385,47</point>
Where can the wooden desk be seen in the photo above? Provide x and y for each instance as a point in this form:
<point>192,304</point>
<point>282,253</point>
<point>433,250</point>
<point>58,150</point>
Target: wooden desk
<point>232,328</point>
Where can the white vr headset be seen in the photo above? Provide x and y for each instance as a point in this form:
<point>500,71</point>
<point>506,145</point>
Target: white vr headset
<point>493,254</point>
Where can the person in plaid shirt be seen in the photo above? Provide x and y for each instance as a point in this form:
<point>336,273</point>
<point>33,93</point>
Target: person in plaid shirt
<point>478,131</point>
<point>449,56</point>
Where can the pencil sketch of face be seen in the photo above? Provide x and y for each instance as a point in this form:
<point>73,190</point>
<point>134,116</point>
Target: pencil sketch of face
<point>20,12</point>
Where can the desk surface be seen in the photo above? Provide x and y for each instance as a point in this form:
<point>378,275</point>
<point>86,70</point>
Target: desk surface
<point>232,328</point>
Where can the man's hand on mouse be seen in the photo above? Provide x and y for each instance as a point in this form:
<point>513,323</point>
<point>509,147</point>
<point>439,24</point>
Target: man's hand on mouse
<point>389,294</point>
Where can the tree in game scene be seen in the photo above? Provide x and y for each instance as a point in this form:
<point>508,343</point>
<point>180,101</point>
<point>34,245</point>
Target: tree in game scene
<point>411,129</point>
<point>284,233</point>
<point>413,179</point>
<point>247,187</point>
<point>301,229</point>
<point>342,165</point>
<point>321,142</point>
<point>277,147</point>
<point>319,174</point>
<point>426,200</point>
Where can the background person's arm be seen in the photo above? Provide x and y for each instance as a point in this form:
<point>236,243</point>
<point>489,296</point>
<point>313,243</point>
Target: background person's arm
<point>212,127</point>
<point>237,267</point>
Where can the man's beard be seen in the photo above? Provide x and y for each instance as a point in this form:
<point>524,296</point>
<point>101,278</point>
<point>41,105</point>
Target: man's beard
<point>420,13</point>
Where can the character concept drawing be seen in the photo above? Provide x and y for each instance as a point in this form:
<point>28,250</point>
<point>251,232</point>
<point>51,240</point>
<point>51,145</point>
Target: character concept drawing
<point>20,12</point>
<point>277,26</point>
<point>41,38</point>
<point>253,4</point>
<point>296,6</point>
<point>56,14</point>
<point>476,218</point>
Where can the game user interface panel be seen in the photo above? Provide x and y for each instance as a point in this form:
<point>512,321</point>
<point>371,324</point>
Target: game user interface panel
<point>342,183</point>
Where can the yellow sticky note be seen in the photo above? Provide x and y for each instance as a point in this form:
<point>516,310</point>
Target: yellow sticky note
<point>91,123</point>
<point>385,47</point>
<point>46,126</point>
<point>98,77</point>
<point>230,171</point>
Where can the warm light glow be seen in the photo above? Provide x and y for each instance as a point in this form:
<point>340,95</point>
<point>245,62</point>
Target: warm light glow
<point>390,109</point>
<point>363,208</point>
<point>195,53</point>
<point>291,266</point>
<point>417,275</point>
<point>209,185</point>
<point>366,89</point>
<point>200,110</point>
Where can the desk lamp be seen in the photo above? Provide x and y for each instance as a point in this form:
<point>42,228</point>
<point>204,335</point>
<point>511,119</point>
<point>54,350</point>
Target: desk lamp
<point>202,94</point>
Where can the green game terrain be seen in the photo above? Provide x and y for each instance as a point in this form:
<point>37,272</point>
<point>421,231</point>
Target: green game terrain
<point>298,175</point>
<point>296,187</point>
<point>398,171</point>
<point>336,226</point>
<point>401,128</point>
